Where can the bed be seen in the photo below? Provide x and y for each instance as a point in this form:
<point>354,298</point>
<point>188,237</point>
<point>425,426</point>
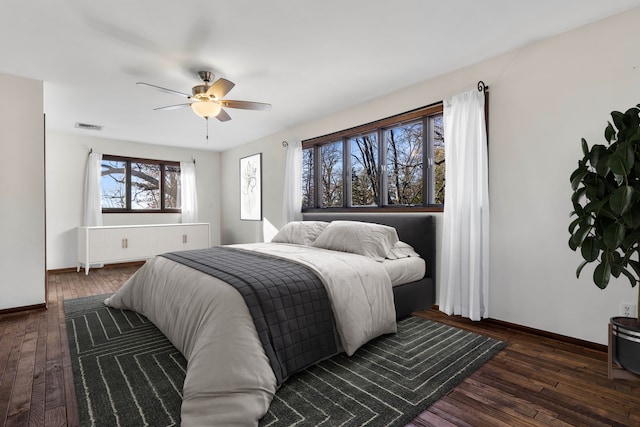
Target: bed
<point>220,329</point>
<point>419,231</point>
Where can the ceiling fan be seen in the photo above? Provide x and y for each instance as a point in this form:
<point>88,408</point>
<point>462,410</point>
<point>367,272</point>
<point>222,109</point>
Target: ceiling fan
<point>206,100</point>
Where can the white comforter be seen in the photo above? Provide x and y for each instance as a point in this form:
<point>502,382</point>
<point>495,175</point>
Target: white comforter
<point>229,381</point>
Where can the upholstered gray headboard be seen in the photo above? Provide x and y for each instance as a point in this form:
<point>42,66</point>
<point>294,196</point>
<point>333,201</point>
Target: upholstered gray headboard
<point>416,229</point>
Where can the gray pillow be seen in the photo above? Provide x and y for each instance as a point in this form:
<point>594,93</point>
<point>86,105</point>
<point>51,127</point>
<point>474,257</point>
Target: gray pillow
<point>300,232</point>
<point>363,238</point>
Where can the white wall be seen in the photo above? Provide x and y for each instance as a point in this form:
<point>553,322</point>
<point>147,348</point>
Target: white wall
<point>22,193</point>
<point>543,99</point>
<point>66,163</point>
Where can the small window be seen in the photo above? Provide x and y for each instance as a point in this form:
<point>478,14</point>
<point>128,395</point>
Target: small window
<point>172,187</point>
<point>139,185</point>
<point>113,184</point>
<point>365,185</point>
<point>308,178</point>
<point>331,173</point>
<point>405,154</point>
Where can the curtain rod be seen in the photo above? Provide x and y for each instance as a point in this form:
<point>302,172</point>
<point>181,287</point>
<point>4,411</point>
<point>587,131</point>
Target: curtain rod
<point>482,87</point>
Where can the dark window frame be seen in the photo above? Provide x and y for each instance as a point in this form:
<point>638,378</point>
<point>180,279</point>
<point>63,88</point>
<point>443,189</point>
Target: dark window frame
<point>379,127</point>
<point>129,160</point>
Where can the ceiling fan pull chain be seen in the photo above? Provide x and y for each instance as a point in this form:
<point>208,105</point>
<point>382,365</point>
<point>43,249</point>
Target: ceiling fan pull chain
<point>207,120</point>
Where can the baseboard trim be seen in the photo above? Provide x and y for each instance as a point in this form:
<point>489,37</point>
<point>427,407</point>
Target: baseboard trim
<point>546,334</point>
<point>541,333</point>
<point>14,310</point>
<point>115,265</point>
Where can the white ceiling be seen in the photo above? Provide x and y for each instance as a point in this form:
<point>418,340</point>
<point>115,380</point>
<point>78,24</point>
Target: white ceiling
<point>307,58</point>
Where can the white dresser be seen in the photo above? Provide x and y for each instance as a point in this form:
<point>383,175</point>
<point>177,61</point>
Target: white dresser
<point>112,244</point>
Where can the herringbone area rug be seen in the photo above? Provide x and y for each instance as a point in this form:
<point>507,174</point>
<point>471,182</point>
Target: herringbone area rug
<point>127,373</point>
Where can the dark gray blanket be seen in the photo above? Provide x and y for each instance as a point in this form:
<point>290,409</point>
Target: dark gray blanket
<point>288,302</point>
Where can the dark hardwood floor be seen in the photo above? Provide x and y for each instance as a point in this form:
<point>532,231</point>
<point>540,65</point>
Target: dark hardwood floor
<point>533,381</point>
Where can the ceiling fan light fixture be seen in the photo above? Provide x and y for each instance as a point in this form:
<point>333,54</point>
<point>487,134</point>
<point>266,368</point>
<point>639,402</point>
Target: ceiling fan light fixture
<point>206,109</point>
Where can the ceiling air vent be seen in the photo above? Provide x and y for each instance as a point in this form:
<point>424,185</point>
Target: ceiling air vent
<point>88,126</point>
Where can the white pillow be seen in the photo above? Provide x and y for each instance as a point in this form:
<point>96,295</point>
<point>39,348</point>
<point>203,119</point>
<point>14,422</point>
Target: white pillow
<point>401,250</point>
<point>363,238</point>
<point>300,232</point>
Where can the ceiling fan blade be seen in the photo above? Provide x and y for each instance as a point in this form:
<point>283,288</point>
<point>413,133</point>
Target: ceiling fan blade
<point>220,88</point>
<point>223,116</point>
<point>164,89</point>
<point>173,107</point>
<point>246,105</point>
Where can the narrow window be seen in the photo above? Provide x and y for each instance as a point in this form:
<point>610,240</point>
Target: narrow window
<point>145,186</point>
<point>172,187</point>
<point>308,178</point>
<point>113,184</point>
<point>332,179</point>
<point>405,161</point>
<point>365,178</point>
<point>437,136</point>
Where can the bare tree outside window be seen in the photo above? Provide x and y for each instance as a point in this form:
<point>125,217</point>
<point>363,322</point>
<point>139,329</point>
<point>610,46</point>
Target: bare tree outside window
<point>145,186</point>
<point>405,164</point>
<point>365,180</point>
<point>308,178</point>
<point>397,161</point>
<point>130,185</point>
<point>172,187</point>
<point>437,126</point>
<point>113,184</point>
<point>332,180</point>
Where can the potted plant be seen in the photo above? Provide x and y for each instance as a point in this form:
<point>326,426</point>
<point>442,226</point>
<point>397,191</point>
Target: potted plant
<point>606,228</point>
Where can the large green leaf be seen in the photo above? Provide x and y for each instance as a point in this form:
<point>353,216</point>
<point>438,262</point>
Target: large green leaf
<point>609,132</point>
<point>585,147</point>
<point>579,236</point>
<point>621,161</point>
<point>572,244</point>
<point>620,201</point>
<point>618,120</point>
<point>615,261</point>
<point>631,119</point>
<point>590,249</point>
<point>577,176</point>
<point>602,164</point>
<point>601,274</point>
<point>594,154</point>
<point>613,235</point>
<point>576,222</point>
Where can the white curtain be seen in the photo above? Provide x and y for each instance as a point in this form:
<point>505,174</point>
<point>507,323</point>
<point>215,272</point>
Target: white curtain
<point>465,236</point>
<point>292,201</point>
<point>92,198</point>
<point>188,193</point>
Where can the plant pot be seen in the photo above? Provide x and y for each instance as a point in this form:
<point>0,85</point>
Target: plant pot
<point>626,341</point>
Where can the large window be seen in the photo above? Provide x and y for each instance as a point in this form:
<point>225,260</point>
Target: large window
<point>139,185</point>
<point>395,162</point>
